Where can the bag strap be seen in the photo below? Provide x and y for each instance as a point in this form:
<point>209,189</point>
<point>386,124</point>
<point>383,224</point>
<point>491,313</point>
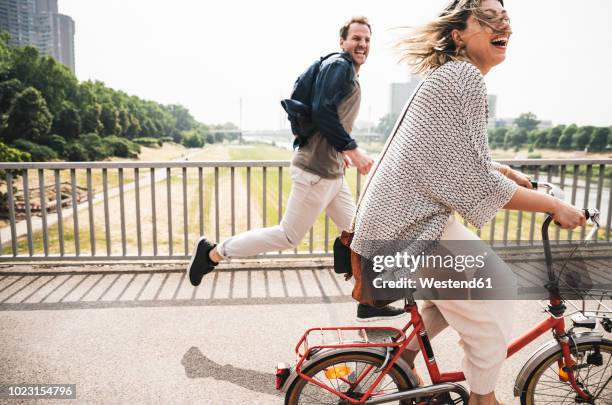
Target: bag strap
<point>385,148</point>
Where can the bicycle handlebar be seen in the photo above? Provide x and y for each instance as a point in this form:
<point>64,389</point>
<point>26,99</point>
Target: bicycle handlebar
<point>591,214</point>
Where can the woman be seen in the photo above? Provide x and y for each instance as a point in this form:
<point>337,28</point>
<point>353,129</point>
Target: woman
<point>438,162</point>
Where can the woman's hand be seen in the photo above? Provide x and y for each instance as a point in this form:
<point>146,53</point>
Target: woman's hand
<point>516,176</point>
<point>567,216</point>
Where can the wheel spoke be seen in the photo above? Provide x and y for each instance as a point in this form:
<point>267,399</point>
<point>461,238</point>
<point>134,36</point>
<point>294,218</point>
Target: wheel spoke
<point>545,387</point>
<point>357,366</point>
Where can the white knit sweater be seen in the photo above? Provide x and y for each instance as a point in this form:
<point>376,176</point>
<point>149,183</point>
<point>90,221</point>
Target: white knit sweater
<point>437,162</point>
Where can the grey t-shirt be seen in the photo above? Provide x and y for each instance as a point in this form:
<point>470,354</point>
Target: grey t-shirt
<point>318,156</point>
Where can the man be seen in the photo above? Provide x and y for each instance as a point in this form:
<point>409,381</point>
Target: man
<point>317,169</point>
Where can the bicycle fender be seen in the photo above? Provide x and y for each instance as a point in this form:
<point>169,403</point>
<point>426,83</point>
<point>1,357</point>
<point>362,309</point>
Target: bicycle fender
<point>546,350</point>
<point>330,352</point>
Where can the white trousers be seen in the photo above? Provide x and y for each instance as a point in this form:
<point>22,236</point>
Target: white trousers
<point>484,327</point>
<point>310,195</point>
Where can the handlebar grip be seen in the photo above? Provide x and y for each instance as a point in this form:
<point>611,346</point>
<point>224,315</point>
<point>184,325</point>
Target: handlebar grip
<point>534,184</point>
<point>587,214</point>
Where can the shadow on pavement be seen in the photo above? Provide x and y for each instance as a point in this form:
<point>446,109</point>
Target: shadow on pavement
<point>197,365</point>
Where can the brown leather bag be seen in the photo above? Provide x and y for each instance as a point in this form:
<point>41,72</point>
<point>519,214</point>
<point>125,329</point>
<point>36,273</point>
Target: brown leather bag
<point>347,259</point>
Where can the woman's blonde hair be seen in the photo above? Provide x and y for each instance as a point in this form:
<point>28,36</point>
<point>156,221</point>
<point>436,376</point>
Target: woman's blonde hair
<point>432,45</point>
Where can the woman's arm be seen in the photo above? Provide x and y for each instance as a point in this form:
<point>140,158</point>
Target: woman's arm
<point>566,215</point>
<point>514,175</point>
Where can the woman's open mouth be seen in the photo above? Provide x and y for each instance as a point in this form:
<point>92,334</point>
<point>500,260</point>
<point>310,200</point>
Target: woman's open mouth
<point>500,42</point>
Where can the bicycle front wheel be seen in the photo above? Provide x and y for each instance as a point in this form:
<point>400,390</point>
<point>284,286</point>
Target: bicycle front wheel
<point>593,371</point>
<point>352,374</point>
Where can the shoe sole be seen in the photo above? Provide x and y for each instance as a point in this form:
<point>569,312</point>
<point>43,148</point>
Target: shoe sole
<point>380,318</point>
<point>193,256</point>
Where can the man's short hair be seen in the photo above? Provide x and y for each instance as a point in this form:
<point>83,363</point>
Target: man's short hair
<point>355,20</point>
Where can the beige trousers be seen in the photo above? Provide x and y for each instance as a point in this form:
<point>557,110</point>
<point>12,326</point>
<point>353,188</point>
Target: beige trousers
<point>484,327</point>
<point>310,195</point>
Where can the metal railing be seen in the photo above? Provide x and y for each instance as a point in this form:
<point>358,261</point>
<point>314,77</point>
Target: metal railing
<point>157,210</point>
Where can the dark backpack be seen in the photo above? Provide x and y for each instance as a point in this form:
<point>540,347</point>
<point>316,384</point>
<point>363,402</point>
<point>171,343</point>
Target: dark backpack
<point>299,106</point>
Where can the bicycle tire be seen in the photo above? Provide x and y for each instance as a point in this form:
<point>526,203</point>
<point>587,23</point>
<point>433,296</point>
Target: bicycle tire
<point>544,385</point>
<point>297,390</point>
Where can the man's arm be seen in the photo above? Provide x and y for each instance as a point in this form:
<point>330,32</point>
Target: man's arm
<point>332,86</point>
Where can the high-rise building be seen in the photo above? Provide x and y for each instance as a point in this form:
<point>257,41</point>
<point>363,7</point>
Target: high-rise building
<point>38,23</point>
<point>401,92</point>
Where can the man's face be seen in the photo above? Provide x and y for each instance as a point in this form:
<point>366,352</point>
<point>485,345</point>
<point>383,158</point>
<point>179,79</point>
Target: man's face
<point>357,43</point>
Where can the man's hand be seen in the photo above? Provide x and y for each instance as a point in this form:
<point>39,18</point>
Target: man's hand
<point>347,161</point>
<point>360,160</point>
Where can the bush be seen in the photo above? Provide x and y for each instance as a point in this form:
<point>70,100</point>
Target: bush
<point>39,153</point>
<point>193,140</point>
<point>75,152</point>
<point>55,142</point>
<point>148,141</point>
<point>8,154</point>
<point>96,149</point>
<point>534,155</point>
<point>121,147</point>
<point>177,137</point>
<point>166,139</point>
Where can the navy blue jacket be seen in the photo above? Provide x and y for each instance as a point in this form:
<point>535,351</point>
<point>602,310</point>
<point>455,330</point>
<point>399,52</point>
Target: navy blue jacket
<point>336,80</point>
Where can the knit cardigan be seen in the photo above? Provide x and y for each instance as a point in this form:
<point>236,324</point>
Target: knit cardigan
<point>437,162</point>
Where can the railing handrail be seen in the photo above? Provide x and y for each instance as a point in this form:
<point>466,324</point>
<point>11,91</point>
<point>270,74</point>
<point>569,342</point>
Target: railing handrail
<point>247,163</point>
<point>143,164</point>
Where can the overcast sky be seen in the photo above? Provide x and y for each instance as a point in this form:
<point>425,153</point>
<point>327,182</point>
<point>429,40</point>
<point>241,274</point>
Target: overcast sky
<point>207,55</point>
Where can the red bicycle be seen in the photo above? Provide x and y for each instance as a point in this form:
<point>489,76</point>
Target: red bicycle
<point>345,365</point>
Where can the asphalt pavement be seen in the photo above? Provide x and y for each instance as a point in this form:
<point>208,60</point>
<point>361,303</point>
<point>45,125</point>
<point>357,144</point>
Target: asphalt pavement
<point>144,335</point>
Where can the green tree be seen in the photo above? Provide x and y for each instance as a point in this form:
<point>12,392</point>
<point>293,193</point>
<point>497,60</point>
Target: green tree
<point>68,122</point>
<point>28,117</point>
<point>582,137</point>
<point>515,138</point>
<point>599,140</point>
<point>565,140</point>
<point>497,137</point>
<point>110,120</point>
<point>527,121</point>
<point>90,119</point>
<point>8,90</point>
<point>184,120</point>
<point>5,55</point>
<point>537,138</point>
<point>553,135</point>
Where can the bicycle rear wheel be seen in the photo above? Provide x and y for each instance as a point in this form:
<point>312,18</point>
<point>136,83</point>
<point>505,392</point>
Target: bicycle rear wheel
<point>349,373</point>
<point>593,374</point>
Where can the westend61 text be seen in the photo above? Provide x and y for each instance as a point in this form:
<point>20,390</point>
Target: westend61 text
<point>431,282</point>
<point>455,262</point>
